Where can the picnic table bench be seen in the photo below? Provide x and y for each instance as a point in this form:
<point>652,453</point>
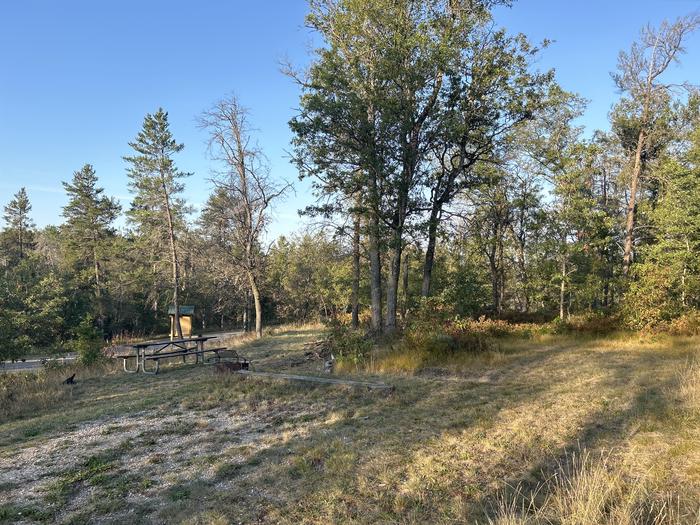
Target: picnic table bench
<point>167,348</point>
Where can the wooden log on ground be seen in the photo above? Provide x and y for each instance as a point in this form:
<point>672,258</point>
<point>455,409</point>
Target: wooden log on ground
<point>314,379</point>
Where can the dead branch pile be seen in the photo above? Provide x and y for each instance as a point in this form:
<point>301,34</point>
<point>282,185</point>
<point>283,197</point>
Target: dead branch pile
<point>319,349</point>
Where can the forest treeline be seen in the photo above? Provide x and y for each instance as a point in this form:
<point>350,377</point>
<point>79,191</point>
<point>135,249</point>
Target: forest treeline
<point>450,174</point>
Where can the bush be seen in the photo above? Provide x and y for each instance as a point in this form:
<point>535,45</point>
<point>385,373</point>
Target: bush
<point>687,324</point>
<point>349,345</point>
<point>593,323</point>
<point>435,335</point>
<point>473,342</point>
<point>496,327</point>
<point>87,342</point>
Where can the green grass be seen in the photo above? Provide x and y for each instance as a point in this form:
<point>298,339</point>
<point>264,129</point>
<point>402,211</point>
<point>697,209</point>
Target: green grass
<point>553,429</point>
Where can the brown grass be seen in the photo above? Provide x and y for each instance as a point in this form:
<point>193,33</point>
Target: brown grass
<point>550,429</point>
<point>23,393</point>
<point>592,489</point>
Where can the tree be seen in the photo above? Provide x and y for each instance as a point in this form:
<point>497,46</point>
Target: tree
<point>554,145</point>
<point>309,276</point>
<point>222,283</point>
<point>488,223</point>
<point>526,230</point>
<point>489,92</point>
<point>244,190</point>
<point>370,113</point>
<point>156,182</point>
<point>19,227</point>
<point>89,216</point>
<point>667,276</point>
<point>646,97</point>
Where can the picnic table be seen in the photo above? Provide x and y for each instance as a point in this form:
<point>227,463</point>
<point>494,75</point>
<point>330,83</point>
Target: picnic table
<point>167,348</point>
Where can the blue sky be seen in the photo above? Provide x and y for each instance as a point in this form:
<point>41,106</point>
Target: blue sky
<point>77,77</point>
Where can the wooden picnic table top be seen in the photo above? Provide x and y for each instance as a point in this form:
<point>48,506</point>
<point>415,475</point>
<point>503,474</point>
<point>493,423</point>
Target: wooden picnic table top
<point>168,342</point>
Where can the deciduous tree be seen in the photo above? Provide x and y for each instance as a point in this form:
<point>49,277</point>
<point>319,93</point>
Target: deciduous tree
<point>244,190</point>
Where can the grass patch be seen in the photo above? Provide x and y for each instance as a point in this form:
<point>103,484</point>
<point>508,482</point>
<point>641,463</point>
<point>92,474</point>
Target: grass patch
<point>548,428</point>
<point>92,471</point>
<point>10,513</point>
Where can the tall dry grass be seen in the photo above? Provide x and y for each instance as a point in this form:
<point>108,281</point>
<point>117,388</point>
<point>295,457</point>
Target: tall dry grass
<point>689,385</point>
<point>593,489</point>
<point>26,393</point>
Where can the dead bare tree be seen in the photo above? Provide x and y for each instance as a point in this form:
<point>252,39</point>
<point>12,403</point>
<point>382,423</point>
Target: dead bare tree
<point>245,187</point>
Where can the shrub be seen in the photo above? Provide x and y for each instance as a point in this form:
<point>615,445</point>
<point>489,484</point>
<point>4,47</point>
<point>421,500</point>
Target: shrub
<point>496,327</point>
<point>593,323</point>
<point>449,337</point>
<point>87,342</point>
<point>349,345</point>
<point>473,342</point>
<point>653,300</point>
<point>686,324</point>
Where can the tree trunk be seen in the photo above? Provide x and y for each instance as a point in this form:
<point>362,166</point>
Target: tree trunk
<point>246,312</point>
<point>96,267</point>
<point>683,276</point>
<point>356,273</point>
<point>175,262</point>
<point>375,261</point>
<point>562,290</point>
<point>631,207</point>
<point>501,272</point>
<point>98,292</point>
<point>375,273</point>
<point>20,235</point>
<point>495,286</point>
<point>404,286</point>
<point>392,287</point>
<point>430,249</point>
<point>258,304</point>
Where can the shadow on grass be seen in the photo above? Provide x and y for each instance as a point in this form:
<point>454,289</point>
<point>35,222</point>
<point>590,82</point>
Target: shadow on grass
<point>433,451</point>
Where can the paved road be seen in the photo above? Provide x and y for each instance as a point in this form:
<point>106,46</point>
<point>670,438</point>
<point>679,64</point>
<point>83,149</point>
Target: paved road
<point>36,363</point>
<point>33,364</point>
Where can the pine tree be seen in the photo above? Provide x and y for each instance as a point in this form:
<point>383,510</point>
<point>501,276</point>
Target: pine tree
<point>89,216</point>
<point>19,227</point>
<point>668,274</point>
<point>156,210</point>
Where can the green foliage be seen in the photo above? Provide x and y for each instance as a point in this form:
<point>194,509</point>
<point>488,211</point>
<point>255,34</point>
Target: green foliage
<point>667,276</point>
<point>421,125</point>
<point>18,235</point>
<point>87,342</point>
<point>350,346</point>
<point>33,302</point>
<point>88,237</point>
<point>309,276</point>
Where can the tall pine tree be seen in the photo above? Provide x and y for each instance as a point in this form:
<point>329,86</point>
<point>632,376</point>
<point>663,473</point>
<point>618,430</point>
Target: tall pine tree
<point>19,228</point>
<point>89,216</point>
<point>157,210</point>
